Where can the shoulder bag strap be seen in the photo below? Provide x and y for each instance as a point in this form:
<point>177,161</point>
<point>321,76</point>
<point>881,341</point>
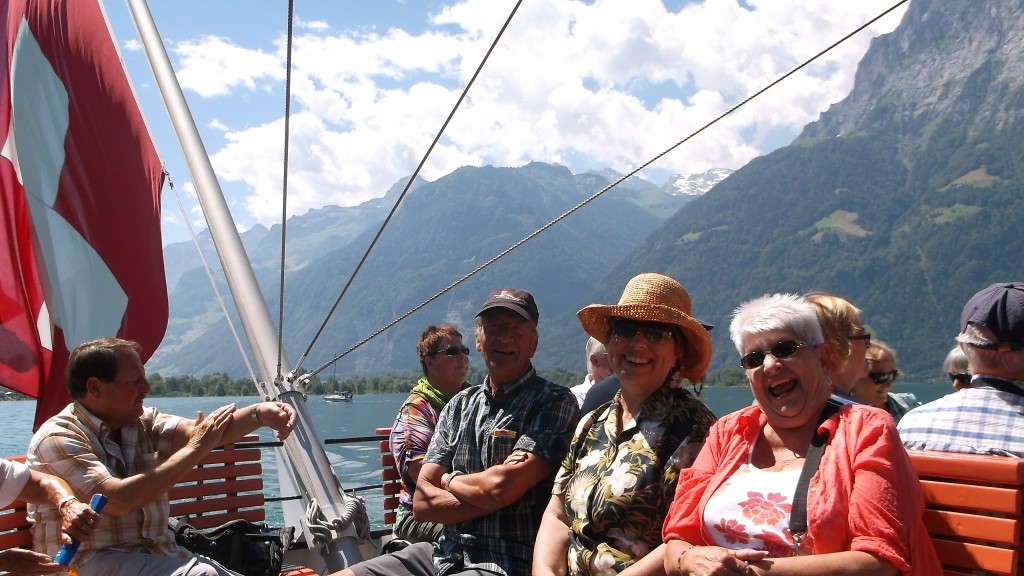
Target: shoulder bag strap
<point>798,513</point>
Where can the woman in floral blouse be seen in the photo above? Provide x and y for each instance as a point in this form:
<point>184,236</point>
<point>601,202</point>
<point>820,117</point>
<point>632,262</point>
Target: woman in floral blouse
<point>614,487</point>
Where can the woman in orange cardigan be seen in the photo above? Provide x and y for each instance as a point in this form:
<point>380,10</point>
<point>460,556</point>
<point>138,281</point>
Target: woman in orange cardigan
<point>737,510</point>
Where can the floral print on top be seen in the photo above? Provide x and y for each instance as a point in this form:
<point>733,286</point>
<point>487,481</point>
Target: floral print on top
<point>616,482</point>
<point>752,510</point>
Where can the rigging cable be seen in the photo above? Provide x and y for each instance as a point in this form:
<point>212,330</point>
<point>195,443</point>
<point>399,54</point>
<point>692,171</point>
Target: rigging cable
<point>213,283</point>
<point>597,194</point>
<point>401,197</point>
<point>284,191</point>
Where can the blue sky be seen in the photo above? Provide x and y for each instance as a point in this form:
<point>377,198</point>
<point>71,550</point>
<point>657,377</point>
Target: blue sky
<point>588,85</point>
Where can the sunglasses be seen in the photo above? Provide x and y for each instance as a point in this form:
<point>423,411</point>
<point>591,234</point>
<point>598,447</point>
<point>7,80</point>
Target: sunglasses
<point>779,351</point>
<point>453,351</point>
<point>865,336</point>
<point>883,377</point>
<point>628,330</point>
<point>965,378</point>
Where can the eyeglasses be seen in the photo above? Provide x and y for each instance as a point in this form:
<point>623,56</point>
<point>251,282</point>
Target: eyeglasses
<point>866,337</point>
<point>628,330</point>
<point>965,378</point>
<point>453,351</point>
<point>883,377</point>
<point>780,350</point>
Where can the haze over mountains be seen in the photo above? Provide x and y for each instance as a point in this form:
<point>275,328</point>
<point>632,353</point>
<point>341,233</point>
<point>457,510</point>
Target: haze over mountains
<point>906,198</point>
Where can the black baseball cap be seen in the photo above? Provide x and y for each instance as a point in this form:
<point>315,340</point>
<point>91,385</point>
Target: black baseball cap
<point>1000,309</point>
<point>519,301</point>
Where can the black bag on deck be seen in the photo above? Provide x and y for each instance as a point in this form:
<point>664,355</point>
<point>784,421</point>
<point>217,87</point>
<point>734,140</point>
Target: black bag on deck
<point>249,548</point>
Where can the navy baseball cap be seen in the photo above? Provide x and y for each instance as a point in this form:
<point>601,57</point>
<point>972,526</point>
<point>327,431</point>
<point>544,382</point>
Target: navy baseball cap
<point>1000,309</point>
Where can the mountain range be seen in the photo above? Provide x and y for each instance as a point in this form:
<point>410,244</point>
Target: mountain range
<point>905,198</point>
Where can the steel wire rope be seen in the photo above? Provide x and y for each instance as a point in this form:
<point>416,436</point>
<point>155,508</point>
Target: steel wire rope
<point>401,197</point>
<point>594,196</point>
<point>213,283</point>
<point>284,191</point>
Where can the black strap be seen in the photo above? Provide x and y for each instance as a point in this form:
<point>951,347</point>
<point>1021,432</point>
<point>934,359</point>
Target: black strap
<point>998,384</point>
<point>798,513</point>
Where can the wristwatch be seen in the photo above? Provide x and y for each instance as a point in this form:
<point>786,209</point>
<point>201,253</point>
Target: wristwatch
<point>446,480</point>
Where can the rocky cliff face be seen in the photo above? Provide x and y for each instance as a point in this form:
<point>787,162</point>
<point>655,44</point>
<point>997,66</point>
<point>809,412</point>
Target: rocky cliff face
<point>948,61</point>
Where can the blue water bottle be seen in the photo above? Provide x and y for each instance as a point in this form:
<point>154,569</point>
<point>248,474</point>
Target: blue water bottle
<point>67,551</point>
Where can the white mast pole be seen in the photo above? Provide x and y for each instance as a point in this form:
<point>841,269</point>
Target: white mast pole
<point>310,464</point>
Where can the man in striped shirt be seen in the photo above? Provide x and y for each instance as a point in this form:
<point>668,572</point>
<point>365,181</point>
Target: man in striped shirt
<point>986,417</point>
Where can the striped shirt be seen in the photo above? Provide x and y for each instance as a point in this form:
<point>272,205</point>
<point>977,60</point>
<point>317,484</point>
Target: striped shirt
<point>976,420</point>
<point>477,430</point>
<point>76,446</point>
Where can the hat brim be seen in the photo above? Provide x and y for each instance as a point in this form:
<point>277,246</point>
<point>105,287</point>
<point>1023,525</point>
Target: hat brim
<point>596,321</point>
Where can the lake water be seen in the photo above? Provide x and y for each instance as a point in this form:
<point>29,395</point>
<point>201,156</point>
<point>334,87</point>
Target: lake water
<point>356,464</point>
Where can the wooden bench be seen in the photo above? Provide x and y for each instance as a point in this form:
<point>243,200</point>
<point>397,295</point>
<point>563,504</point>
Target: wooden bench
<point>391,480</point>
<point>227,485</point>
<point>974,511</point>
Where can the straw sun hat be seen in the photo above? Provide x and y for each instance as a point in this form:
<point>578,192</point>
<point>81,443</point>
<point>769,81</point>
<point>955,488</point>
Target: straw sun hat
<point>655,298</point>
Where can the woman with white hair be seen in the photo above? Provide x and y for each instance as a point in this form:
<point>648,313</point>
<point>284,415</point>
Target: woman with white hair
<point>955,365</point>
<point>796,484</point>
<point>614,487</point>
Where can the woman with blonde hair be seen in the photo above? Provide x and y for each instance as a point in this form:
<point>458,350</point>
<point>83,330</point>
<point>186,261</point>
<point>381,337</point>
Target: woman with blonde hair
<point>875,388</point>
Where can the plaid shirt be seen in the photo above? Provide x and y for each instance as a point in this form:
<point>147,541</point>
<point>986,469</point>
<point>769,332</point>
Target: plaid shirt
<point>75,445</point>
<point>976,420</point>
<point>477,430</point>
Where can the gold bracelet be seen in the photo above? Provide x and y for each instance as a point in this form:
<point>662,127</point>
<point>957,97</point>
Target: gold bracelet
<point>256,415</point>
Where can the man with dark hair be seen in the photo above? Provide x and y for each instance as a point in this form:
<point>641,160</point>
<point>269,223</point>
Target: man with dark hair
<point>987,416</point>
<point>107,442</point>
<point>488,473</point>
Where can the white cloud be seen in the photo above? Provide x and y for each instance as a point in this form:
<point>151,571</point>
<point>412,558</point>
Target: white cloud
<point>589,85</point>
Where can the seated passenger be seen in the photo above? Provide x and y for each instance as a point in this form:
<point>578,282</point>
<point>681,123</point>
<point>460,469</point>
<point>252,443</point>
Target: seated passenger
<point>615,485</point>
<point>874,389</point>
<point>492,460</point>
<point>736,510</point>
<point>955,366</point>
<point>445,362</point>
<point>18,482</point>
<point>840,324</point>
<point>986,417</point>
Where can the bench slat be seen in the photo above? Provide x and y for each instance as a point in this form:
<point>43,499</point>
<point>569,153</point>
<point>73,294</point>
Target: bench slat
<point>981,498</point>
<point>976,556</point>
<point>194,491</point>
<point>960,525</point>
<point>975,468</point>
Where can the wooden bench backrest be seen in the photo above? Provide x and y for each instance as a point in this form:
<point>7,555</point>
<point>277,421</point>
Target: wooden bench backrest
<point>14,526</point>
<point>391,480</point>
<point>974,510</point>
<point>227,485</point>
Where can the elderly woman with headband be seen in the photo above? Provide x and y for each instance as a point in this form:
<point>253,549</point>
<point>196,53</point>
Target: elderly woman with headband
<point>796,484</point>
<point>614,487</point>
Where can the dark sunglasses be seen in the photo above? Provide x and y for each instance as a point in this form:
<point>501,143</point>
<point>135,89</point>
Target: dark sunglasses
<point>965,378</point>
<point>653,334</point>
<point>883,377</point>
<point>781,350</point>
<point>453,351</point>
<point>865,336</point>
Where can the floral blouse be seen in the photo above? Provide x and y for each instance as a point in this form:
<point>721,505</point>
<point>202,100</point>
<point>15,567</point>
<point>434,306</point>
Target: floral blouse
<point>617,485</point>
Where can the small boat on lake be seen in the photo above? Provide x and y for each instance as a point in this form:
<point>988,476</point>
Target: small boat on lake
<point>343,396</point>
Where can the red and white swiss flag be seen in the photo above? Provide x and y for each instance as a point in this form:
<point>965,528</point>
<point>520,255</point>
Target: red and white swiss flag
<point>80,197</point>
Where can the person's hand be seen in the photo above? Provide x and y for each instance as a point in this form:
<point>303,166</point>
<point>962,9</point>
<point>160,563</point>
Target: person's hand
<point>207,432</point>
<point>718,561</point>
<point>77,519</point>
<point>279,416</point>
<point>19,561</point>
